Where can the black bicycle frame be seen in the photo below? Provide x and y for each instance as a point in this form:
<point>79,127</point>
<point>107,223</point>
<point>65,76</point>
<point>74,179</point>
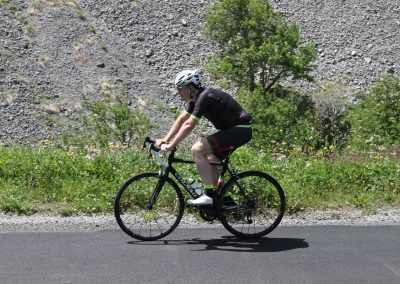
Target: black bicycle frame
<point>170,169</point>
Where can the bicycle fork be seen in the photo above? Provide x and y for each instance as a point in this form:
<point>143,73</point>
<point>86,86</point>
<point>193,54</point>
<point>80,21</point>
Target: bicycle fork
<point>156,191</point>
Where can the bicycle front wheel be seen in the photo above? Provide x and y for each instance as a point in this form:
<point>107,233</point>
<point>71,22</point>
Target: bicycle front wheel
<point>144,222</point>
<point>251,204</point>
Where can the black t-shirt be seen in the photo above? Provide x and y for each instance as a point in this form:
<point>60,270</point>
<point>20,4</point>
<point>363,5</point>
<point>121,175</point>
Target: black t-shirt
<point>220,108</point>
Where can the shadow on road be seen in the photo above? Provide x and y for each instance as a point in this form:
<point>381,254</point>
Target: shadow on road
<point>231,243</point>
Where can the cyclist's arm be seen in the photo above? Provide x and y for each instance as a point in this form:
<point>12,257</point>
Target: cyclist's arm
<point>176,126</point>
<point>187,127</point>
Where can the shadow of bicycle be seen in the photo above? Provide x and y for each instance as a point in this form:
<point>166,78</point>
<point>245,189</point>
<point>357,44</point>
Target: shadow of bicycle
<point>231,243</point>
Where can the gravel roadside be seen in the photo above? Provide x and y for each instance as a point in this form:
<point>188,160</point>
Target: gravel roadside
<point>51,223</point>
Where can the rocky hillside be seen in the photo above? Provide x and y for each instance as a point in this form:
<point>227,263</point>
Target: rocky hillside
<point>54,53</point>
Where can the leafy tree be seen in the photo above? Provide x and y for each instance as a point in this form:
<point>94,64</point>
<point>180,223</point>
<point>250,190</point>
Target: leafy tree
<point>257,51</point>
<point>256,45</point>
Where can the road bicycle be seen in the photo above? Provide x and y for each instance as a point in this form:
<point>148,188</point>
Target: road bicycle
<point>149,206</point>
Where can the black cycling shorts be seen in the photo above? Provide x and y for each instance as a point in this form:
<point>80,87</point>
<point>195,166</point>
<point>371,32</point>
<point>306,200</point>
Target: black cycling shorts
<point>224,141</point>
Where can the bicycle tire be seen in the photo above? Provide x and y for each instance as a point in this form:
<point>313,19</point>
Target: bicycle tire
<point>139,222</point>
<point>256,209</point>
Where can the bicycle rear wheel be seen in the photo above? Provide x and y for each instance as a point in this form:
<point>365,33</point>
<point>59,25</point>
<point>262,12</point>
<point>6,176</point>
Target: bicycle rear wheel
<point>134,215</point>
<point>251,204</point>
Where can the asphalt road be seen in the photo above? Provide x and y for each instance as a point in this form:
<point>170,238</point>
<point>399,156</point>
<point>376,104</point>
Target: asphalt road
<point>322,254</point>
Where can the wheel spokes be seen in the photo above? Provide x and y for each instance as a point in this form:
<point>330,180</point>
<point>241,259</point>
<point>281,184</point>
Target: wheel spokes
<point>258,205</point>
<point>138,220</point>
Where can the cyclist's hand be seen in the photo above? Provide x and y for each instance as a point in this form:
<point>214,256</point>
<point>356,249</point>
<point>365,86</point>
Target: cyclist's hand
<point>167,147</point>
<point>160,142</point>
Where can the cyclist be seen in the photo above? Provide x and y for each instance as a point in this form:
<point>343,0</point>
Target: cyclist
<point>222,110</point>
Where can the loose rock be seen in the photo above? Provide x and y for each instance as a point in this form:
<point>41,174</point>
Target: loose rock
<point>131,45</point>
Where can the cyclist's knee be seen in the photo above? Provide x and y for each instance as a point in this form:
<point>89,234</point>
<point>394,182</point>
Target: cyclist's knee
<point>195,149</point>
<point>200,148</point>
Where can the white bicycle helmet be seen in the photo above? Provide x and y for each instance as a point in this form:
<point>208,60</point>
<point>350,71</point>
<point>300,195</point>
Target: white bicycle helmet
<point>189,76</point>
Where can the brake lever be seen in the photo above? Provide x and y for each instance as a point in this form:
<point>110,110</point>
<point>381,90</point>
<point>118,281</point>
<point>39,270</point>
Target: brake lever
<point>148,140</point>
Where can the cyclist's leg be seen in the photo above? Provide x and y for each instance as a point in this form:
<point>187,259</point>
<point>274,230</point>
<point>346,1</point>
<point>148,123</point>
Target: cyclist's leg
<point>219,144</point>
<point>203,155</point>
<point>215,171</point>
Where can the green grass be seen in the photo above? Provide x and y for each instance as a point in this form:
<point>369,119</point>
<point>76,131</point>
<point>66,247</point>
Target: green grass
<point>320,183</point>
<point>62,182</point>
<point>66,183</point>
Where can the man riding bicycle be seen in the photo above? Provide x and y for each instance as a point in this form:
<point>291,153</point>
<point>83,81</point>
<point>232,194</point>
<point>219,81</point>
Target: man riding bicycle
<point>224,112</point>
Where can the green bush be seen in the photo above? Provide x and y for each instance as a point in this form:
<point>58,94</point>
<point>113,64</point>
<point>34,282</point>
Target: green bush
<point>282,120</point>
<point>113,121</point>
<point>375,120</point>
<point>331,101</point>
